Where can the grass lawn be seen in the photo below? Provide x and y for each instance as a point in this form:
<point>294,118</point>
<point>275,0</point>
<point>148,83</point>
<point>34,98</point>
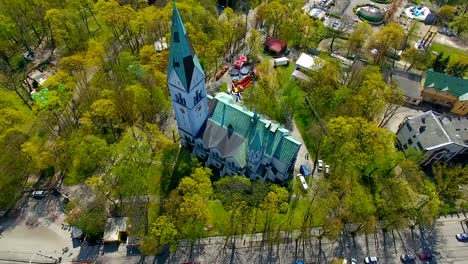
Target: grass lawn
<point>455,54</point>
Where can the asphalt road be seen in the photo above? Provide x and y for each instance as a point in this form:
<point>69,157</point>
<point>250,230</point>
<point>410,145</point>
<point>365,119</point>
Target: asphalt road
<point>439,240</point>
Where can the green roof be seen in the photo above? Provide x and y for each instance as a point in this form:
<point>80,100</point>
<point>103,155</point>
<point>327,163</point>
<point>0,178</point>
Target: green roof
<point>257,132</point>
<point>445,83</point>
<point>182,57</point>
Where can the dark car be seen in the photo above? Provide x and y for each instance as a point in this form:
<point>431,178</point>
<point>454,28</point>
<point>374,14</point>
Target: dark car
<point>446,31</point>
<point>462,237</point>
<point>407,258</point>
<point>313,51</point>
<point>425,256</point>
<point>303,170</point>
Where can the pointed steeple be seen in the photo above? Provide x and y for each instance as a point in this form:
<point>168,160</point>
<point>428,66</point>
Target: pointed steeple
<point>182,57</point>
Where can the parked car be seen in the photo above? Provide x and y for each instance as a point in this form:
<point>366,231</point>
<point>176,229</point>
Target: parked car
<point>327,169</point>
<point>320,165</point>
<point>407,258</point>
<point>283,61</point>
<point>446,31</point>
<point>303,170</point>
<point>38,194</point>
<point>425,256</point>
<point>336,24</point>
<point>371,260</point>
<point>462,237</point>
<point>313,51</point>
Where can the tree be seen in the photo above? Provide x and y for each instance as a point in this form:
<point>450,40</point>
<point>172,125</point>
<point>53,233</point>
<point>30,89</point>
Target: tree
<point>188,203</point>
<point>460,23</point>
<point>86,154</point>
<point>457,69</point>
<point>359,148</point>
<point>165,231</point>
<point>393,100</point>
<point>92,219</point>
<point>416,58</point>
<point>14,166</point>
<point>440,63</point>
<point>339,31</point>
<point>358,37</point>
<point>447,181</point>
<point>388,39</point>
<point>447,13</point>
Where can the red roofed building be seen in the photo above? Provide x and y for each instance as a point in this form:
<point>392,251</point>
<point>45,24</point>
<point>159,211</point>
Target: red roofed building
<point>275,46</point>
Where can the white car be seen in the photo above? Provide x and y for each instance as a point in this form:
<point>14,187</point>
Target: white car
<point>371,260</point>
<point>327,169</point>
<point>38,194</point>
<point>320,165</point>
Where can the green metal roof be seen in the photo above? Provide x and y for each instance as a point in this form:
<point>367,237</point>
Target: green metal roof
<point>259,133</point>
<point>442,82</point>
<point>182,57</point>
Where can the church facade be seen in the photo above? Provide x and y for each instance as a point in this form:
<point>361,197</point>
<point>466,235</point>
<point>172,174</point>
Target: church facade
<point>223,135</point>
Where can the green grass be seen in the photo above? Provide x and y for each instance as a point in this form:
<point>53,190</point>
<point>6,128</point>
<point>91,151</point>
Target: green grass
<point>223,88</point>
<point>455,54</point>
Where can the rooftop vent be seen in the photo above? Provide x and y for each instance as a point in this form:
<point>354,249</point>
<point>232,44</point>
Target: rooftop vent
<point>422,129</point>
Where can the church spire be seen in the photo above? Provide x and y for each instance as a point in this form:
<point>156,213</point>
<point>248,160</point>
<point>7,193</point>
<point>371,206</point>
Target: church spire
<point>182,58</point>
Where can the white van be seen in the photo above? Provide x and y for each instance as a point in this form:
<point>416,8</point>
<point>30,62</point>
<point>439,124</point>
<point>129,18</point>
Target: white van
<point>303,182</point>
<point>283,61</point>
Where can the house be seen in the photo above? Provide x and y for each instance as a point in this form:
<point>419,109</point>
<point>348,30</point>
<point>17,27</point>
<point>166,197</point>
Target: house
<point>447,91</point>
<point>275,46</point>
<point>116,230</point>
<point>438,137</point>
<point>305,63</point>
<point>226,137</point>
<point>409,83</point>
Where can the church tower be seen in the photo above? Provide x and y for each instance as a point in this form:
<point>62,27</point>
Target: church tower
<point>186,81</point>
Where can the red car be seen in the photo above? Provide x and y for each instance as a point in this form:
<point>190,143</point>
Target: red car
<point>425,256</point>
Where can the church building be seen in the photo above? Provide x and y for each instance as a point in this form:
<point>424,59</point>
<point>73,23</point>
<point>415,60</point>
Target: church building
<point>225,136</point>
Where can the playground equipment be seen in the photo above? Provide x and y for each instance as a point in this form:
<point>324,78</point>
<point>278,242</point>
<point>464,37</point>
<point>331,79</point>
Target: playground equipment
<point>241,85</point>
<point>371,14</point>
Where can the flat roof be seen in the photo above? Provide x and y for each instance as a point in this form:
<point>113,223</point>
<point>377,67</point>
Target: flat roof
<point>308,62</point>
<point>429,130</point>
<point>114,226</point>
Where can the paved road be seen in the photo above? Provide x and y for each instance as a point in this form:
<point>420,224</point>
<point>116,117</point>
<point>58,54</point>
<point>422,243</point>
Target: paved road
<point>438,240</point>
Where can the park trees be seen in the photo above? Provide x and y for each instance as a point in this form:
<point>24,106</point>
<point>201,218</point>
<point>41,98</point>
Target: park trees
<point>358,37</point>
<point>416,58</point>
<point>460,23</point>
<point>386,41</point>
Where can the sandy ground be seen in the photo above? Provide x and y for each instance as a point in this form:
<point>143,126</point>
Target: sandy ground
<point>35,233</point>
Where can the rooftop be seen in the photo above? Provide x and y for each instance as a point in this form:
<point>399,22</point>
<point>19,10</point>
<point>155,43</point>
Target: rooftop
<point>433,129</point>
<point>409,83</point>
<point>457,87</point>
<point>308,62</point>
<point>233,130</point>
<point>115,226</point>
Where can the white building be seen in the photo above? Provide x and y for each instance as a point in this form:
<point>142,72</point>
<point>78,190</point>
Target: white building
<point>307,63</point>
<point>440,138</point>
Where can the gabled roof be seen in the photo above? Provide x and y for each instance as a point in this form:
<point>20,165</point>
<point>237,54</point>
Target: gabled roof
<point>250,131</point>
<point>182,57</point>
<point>457,87</point>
